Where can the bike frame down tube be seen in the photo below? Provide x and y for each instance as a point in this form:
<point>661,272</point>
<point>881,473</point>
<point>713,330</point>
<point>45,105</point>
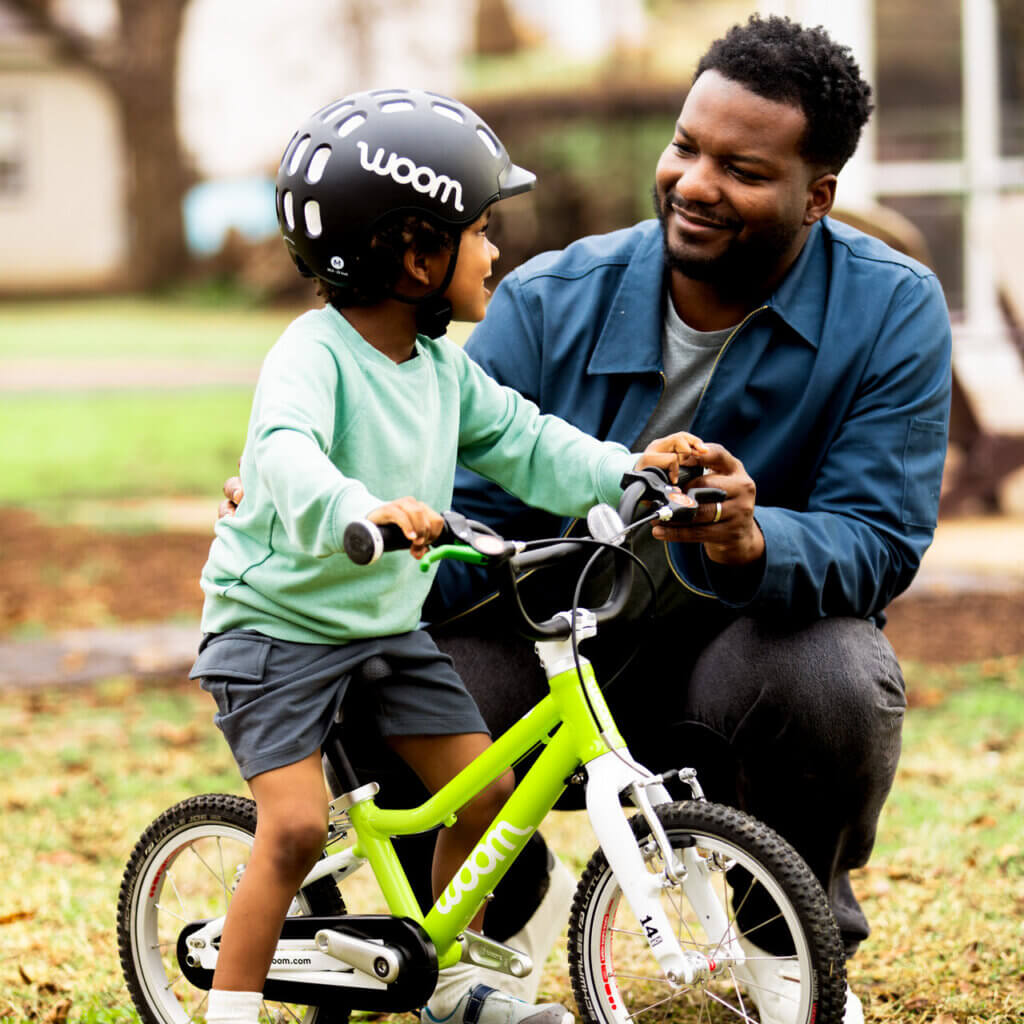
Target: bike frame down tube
<point>578,741</point>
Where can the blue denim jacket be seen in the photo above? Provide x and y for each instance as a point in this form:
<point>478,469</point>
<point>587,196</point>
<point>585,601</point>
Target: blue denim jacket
<point>834,394</point>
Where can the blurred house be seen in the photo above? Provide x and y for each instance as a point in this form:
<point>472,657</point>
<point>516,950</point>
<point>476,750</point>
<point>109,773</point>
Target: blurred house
<point>62,196</point>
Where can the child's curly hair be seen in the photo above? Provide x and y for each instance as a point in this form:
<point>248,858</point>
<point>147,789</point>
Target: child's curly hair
<point>375,272</point>
<point>783,61</point>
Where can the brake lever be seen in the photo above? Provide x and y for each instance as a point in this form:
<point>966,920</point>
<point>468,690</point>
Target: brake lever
<point>682,515</point>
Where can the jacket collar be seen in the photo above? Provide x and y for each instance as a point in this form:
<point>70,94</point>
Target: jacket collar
<point>801,298</point>
<point>630,341</point>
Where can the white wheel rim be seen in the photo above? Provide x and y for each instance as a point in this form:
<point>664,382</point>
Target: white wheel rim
<point>160,909</point>
<point>602,974</point>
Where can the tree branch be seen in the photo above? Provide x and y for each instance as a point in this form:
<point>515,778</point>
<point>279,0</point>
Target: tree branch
<point>70,42</point>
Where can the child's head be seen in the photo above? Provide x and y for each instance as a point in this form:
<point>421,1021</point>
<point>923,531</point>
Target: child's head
<point>369,177</point>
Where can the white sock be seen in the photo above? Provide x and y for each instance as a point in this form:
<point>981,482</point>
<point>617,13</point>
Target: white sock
<point>452,984</point>
<point>226,1007</point>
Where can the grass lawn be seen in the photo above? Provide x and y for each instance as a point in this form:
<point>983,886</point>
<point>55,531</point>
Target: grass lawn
<point>83,772</point>
<point>107,445</point>
<point>88,444</point>
<point>137,328</point>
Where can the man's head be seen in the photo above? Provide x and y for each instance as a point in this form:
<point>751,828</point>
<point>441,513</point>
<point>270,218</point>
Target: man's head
<point>801,67</point>
<point>774,112</point>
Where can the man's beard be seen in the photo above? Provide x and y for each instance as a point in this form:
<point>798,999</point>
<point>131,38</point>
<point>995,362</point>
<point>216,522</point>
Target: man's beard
<point>736,269</point>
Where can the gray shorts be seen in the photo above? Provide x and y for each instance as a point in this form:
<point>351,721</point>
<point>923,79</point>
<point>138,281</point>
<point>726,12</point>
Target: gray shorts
<point>277,699</point>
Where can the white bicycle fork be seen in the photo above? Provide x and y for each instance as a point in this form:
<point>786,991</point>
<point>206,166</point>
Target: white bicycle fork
<point>608,776</point>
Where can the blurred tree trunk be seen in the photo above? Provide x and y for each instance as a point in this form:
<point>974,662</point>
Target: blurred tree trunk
<point>139,63</point>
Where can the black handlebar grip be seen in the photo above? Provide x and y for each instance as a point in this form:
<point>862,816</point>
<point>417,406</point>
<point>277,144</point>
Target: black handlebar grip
<point>365,542</point>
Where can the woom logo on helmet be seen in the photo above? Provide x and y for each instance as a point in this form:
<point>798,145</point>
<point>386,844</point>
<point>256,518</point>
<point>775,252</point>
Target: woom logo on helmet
<point>404,171</point>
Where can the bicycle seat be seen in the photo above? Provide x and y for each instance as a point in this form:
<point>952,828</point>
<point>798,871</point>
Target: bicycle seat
<point>373,669</point>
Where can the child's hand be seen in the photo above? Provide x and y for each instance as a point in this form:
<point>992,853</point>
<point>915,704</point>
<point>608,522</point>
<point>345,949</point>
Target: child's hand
<point>419,522</point>
<point>669,453</point>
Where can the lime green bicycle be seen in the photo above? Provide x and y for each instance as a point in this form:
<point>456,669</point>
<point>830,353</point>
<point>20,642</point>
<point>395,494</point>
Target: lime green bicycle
<point>685,913</point>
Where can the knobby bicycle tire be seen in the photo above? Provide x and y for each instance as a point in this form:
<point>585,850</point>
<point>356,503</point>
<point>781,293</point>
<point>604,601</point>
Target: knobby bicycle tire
<point>199,832</point>
<point>770,897</point>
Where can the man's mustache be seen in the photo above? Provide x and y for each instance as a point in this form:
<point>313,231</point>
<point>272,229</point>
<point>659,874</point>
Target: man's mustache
<point>697,212</point>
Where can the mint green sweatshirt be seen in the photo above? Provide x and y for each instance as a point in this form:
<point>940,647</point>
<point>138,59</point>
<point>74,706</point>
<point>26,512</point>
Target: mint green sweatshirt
<point>337,429</point>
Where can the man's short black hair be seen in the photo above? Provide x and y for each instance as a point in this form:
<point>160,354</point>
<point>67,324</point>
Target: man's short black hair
<point>785,62</point>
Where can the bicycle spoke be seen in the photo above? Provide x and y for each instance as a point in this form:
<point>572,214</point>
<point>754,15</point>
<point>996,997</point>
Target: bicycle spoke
<point>764,924</point>
<point>220,857</point>
<point>741,1012</point>
<point>660,1002</point>
<point>174,981</point>
<point>641,977</point>
<point>174,889</point>
<point>683,923</point>
<point>170,913</point>
<point>220,878</point>
<point>198,1009</point>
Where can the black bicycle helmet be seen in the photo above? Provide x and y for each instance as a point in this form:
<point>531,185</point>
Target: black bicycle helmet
<point>380,153</point>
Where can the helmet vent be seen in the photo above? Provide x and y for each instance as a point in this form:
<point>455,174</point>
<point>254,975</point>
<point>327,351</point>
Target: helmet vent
<point>393,106</point>
<point>488,140</point>
<point>297,153</point>
<point>314,226</point>
<point>350,124</point>
<point>288,207</point>
<point>450,112</point>
<point>317,163</point>
<point>336,108</point>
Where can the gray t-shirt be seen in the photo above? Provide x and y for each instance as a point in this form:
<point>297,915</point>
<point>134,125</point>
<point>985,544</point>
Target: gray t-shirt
<point>689,357</point>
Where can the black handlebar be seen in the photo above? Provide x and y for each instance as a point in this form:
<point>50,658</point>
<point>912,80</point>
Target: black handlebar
<point>365,542</point>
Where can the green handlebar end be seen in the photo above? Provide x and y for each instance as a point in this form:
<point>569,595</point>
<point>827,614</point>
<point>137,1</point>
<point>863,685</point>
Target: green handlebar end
<point>457,551</point>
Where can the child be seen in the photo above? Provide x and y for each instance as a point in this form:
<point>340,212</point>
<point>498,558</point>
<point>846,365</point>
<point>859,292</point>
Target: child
<point>384,197</point>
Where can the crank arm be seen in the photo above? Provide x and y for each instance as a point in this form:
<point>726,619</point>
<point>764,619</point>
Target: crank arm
<point>484,952</point>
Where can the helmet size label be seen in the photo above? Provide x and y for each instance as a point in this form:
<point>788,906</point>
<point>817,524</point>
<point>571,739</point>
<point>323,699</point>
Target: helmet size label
<point>404,171</point>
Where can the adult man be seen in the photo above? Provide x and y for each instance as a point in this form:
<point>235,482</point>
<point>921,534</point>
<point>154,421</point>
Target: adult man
<point>816,362</point>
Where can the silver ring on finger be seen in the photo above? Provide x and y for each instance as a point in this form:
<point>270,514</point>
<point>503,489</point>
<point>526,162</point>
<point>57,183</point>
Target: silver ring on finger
<point>718,512</point>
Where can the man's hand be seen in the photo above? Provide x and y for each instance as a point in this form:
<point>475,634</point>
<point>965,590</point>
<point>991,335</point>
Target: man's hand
<point>669,453</point>
<point>727,530</point>
<point>233,494</point>
<point>419,522</point>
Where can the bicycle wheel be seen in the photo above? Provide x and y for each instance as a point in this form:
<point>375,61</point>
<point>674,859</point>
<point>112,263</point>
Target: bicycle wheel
<point>184,868</point>
<point>771,902</point>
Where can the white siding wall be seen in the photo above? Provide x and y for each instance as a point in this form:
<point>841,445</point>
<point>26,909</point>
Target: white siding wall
<point>65,228</point>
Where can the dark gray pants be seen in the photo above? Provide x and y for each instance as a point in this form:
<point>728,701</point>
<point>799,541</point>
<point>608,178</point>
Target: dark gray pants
<point>800,728</point>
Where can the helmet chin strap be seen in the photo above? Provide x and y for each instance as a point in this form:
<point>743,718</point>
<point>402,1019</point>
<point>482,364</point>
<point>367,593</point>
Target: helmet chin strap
<point>434,311</point>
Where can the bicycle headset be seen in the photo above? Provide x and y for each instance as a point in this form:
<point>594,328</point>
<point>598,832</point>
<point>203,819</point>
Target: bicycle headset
<point>388,152</point>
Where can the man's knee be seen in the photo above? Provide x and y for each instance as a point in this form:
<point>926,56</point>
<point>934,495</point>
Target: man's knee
<point>833,687</point>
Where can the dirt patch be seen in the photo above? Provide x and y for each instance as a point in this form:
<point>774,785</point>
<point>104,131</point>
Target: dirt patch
<point>72,577</point>
<point>75,577</point>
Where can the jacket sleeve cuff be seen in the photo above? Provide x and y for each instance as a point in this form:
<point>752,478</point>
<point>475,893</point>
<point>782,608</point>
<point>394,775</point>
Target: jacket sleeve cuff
<point>735,585</point>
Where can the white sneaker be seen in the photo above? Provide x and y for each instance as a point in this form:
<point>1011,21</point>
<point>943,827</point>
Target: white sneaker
<point>538,936</point>
<point>773,986</point>
<point>854,1013</point>
<point>485,1005</point>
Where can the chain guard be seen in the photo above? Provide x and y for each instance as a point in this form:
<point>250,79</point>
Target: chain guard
<point>417,958</point>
